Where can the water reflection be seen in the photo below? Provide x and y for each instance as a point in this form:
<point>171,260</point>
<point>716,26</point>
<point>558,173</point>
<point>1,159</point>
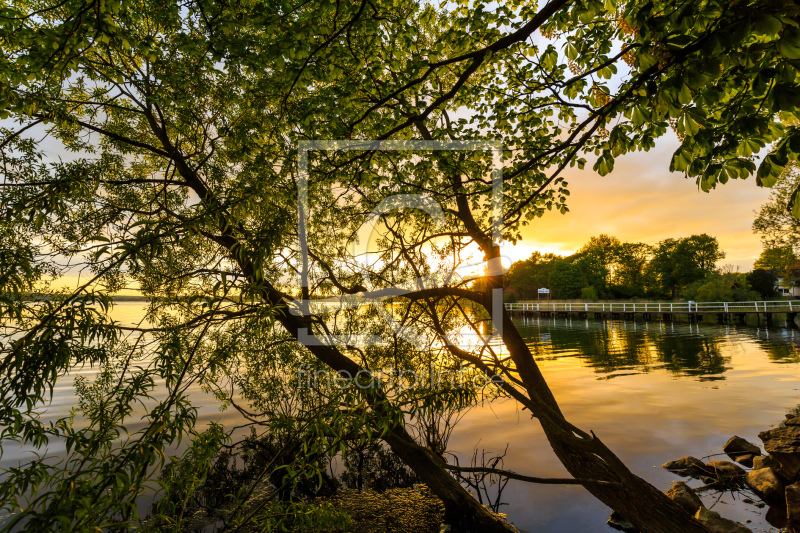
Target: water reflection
<point>618,348</point>
<point>653,392</point>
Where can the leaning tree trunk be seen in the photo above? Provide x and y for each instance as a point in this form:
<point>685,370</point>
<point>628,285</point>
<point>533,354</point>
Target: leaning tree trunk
<point>586,458</point>
<point>462,512</point>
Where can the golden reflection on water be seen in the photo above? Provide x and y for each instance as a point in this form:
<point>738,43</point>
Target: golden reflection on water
<point>652,392</point>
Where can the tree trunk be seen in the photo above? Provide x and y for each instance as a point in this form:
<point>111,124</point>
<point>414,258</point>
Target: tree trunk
<point>586,457</point>
<point>462,512</point>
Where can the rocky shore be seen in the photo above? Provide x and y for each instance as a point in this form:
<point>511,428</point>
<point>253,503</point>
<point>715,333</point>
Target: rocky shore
<point>771,475</point>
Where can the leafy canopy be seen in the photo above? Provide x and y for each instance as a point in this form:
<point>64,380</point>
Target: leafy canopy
<point>178,125</point>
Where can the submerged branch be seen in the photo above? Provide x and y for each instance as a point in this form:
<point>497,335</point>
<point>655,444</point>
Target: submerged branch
<point>528,479</point>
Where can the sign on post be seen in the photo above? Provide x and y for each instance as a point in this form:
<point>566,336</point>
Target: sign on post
<point>543,291</point>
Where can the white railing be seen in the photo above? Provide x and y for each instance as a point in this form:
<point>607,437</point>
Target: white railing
<point>784,306</point>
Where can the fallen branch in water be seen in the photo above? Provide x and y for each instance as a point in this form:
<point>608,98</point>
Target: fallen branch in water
<point>529,479</point>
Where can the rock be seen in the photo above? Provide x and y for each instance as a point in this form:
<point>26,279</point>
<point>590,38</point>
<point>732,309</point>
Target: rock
<point>714,522</point>
<point>739,446</point>
<point>764,461</point>
<point>781,439</point>
<point>783,444</point>
<point>788,466</point>
<point>766,483</point>
<point>620,523</point>
<point>793,420</point>
<point>688,466</point>
<point>684,496</point>
<point>724,470</point>
<point>776,516</point>
<point>745,460</point>
<point>793,505</point>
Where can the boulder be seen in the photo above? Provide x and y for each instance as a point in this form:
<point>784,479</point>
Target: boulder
<point>793,420</point>
<point>764,461</point>
<point>776,516</point>
<point>788,466</point>
<point>724,470</point>
<point>784,439</point>
<point>766,483</point>
<point>687,466</point>
<point>684,496</point>
<point>620,523</point>
<point>783,444</point>
<point>715,523</point>
<point>793,505</point>
<point>738,446</point>
<point>745,460</point>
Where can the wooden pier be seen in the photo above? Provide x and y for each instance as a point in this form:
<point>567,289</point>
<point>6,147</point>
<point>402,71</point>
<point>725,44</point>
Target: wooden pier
<point>722,312</point>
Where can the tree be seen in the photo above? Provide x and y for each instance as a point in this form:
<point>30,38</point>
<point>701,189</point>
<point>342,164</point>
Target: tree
<point>721,287</point>
<point>596,258</point>
<point>763,282</point>
<point>678,263</point>
<point>777,226</point>
<point>528,276</point>
<point>630,269</point>
<point>778,259</point>
<point>566,280</point>
<point>184,121</point>
<point>705,251</point>
<point>782,263</point>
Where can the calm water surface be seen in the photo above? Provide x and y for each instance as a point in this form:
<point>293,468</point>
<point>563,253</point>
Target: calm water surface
<point>652,392</point>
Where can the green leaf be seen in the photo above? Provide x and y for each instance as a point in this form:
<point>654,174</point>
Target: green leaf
<point>768,25</point>
<point>789,49</point>
<point>794,203</point>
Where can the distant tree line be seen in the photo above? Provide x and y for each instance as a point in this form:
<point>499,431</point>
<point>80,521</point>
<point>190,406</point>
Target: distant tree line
<point>607,268</point>
<point>779,230</point>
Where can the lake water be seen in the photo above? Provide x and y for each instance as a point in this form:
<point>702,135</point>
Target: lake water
<point>652,392</point>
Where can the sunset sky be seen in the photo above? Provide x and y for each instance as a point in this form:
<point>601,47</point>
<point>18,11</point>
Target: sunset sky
<point>642,201</point>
